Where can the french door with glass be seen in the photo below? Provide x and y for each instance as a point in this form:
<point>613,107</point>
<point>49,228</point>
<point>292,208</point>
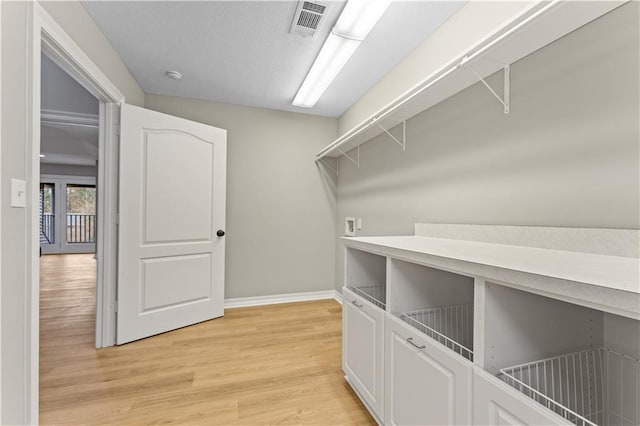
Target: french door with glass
<point>67,214</point>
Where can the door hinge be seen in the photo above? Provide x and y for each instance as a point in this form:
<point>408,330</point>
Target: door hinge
<point>116,218</point>
<point>115,307</point>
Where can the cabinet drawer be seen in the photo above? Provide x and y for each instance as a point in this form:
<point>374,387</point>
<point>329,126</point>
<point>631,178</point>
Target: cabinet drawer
<point>496,403</point>
<point>426,383</point>
<point>363,349</point>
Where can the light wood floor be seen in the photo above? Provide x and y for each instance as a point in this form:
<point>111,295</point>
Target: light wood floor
<point>278,364</point>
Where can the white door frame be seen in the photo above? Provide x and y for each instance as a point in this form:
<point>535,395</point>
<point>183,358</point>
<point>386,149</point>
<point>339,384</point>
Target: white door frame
<point>1,198</point>
<point>45,35</point>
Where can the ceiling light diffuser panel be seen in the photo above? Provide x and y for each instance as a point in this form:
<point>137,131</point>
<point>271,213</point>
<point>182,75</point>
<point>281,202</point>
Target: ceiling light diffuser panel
<point>354,24</point>
<point>359,17</point>
<point>335,52</point>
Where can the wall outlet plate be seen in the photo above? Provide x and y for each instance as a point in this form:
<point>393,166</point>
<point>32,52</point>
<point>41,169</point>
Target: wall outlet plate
<point>349,226</point>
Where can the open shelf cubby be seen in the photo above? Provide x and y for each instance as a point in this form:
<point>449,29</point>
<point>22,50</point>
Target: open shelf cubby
<point>366,276</point>
<point>581,363</point>
<point>436,302</point>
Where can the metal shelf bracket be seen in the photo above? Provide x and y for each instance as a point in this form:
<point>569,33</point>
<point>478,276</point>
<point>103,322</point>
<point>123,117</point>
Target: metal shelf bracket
<point>329,166</point>
<point>403,144</point>
<point>356,160</point>
<point>504,101</point>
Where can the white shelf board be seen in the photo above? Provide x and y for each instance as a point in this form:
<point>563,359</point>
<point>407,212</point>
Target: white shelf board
<point>614,280</point>
<point>538,26</point>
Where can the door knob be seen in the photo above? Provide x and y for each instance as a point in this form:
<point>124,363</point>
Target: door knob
<point>220,233</point>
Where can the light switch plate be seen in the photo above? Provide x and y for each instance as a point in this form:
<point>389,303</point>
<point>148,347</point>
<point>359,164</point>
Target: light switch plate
<point>359,223</point>
<point>18,193</point>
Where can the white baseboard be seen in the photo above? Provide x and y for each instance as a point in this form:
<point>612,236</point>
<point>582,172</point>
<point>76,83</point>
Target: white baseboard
<point>338,297</point>
<point>238,302</point>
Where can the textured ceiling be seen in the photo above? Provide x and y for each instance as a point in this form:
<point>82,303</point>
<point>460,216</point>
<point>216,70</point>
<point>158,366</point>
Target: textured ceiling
<point>241,52</point>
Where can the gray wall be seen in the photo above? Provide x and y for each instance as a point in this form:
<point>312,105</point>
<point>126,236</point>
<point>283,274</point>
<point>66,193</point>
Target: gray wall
<point>566,155</point>
<point>280,205</point>
<point>15,308</point>
<point>60,92</point>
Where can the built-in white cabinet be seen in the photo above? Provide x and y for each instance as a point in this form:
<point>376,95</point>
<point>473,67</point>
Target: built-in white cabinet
<point>425,385</point>
<point>366,275</point>
<point>436,302</point>
<point>496,404</point>
<point>580,363</point>
<point>426,341</point>
<point>363,349</point>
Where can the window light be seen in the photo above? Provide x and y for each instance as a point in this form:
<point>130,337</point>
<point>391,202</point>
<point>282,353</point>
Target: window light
<point>354,24</point>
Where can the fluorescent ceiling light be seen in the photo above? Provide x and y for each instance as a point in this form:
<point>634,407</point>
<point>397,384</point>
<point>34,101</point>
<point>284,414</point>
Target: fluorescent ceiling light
<point>354,24</point>
<point>335,52</point>
<point>359,17</point>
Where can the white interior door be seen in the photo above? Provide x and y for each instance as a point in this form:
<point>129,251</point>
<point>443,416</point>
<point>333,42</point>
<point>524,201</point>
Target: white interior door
<point>171,222</point>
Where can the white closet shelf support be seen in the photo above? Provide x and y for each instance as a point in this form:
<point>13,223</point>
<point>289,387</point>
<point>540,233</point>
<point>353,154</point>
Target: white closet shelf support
<point>505,100</point>
<point>539,24</point>
<point>506,71</point>
<point>356,160</point>
<point>403,144</point>
<point>324,162</point>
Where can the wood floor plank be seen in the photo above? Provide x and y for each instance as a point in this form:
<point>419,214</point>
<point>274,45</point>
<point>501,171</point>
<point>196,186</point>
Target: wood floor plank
<point>276,364</point>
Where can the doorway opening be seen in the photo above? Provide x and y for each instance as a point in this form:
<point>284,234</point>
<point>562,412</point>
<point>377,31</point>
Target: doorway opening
<point>69,147</point>
<point>48,38</point>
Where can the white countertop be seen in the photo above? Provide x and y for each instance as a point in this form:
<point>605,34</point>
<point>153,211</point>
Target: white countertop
<point>613,272</point>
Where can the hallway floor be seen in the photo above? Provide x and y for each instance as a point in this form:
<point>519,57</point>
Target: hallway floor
<point>277,364</point>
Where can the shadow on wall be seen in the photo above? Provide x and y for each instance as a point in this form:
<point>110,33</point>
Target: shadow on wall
<point>567,154</point>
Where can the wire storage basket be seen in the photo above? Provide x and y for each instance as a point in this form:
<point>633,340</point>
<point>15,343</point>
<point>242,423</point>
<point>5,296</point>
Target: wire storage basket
<point>451,326</point>
<point>376,294</point>
<point>595,387</point>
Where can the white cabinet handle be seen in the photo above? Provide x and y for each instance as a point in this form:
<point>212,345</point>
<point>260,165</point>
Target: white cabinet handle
<point>410,340</point>
<point>359,305</point>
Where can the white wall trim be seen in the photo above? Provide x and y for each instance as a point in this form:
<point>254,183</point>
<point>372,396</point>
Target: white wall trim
<point>68,117</point>
<point>62,50</point>
<point>240,302</point>
<point>1,218</point>
<point>44,35</point>
<point>338,296</point>
<point>107,225</point>
<point>89,180</point>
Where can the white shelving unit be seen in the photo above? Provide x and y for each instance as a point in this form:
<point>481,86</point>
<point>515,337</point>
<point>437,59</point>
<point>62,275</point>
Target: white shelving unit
<point>436,302</point>
<point>491,344</point>
<point>451,326</point>
<point>537,26</point>
<point>364,302</point>
<point>579,386</point>
<point>376,294</point>
<point>558,354</point>
<point>366,276</point>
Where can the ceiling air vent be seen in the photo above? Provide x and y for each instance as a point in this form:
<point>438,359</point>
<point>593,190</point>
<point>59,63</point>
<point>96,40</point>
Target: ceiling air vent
<point>307,18</point>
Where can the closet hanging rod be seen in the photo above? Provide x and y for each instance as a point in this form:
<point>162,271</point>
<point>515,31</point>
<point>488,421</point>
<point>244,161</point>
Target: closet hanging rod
<point>469,56</point>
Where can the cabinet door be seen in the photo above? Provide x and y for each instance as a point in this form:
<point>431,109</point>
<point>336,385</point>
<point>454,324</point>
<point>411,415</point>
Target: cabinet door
<point>363,349</point>
<point>496,403</point>
<point>427,384</point>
